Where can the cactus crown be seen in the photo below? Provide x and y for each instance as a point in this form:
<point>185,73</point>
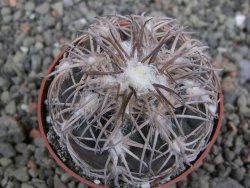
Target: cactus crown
<point>134,99</point>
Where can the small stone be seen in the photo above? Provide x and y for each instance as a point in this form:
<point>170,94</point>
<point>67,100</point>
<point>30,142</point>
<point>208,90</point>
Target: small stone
<point>238,162</point>
<point>246,182</point>
<point>5,161</point>
<point>97,182</point>
<point>58,183</point>
<point>58,7</point>
<point>17,15</point>
<point>244,72</point>
<point>82,185</point>
<point>38,45</point>
<point>33,173</point>
<point>26,185</point>
<point>238,174</point>
<point>229,155</point>
<point>9,185</point>
<point>209,167</point>
<point>43,8</point>
<point>24,49</point>
<point>29,6</point>
<point>5,96</point>
<point>7,18</point>
<point>212,41</point>
<point>72,184</point>
<point>239,20</point>
<point>5,11</point>
<point>79,24</point>
<point>248,24</point>
<point>218,159</point>
<point>36,63</point>
<point>204,183</point>
<point>21,174</point>
<point>18,57</point>
<point>144,185</point>
<point>38,141</point>
<point>21,147</point>
<point>39,183</point>
<point>28,41</point>
<point>66,177</point>
<point>225,183</point>
<point>7,150</point>
<point>4,83</point>
<point>10,108</point>
<point>10,130</point>
<point>50,21</point>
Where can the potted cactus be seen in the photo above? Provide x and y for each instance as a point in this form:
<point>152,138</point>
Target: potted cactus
<point>133,101</point>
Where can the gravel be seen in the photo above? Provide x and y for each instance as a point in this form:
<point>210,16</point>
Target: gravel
<point>21,174</point>
<point>32,32</point>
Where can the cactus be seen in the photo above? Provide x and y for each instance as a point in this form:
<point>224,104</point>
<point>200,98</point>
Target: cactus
<point>134,99</point>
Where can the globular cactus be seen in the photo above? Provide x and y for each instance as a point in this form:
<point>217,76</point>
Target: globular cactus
<point>134,99</point>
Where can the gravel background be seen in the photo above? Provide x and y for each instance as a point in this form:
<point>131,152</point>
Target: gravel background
<point>31,35</point>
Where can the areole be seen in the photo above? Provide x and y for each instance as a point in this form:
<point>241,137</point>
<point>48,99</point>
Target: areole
<point>41,120</point>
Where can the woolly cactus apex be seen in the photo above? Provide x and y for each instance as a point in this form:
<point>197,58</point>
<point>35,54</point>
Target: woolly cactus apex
<point>134,99</point>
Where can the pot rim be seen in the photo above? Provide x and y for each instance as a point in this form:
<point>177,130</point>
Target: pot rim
<point>41,122</point>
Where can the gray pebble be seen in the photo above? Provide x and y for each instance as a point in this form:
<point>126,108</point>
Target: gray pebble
<point>7,150</point>
<point>36,63</point>
<point>79,24</point>
<point>225,183</point>
<point>5,96</point>
<point>21,147</point>
<point>209,167</point>
<point>244,72</point>
<point>18,57</point>
<point>28,41</point>
<point>21,174</point>
<point>10,108</point>
<point>49,21</point>
<point>204,183</point>
<point>238,162</point>
<point>5,11</point>
<point>38,45</point>
<point>66,177</point>
<point>39,142</point>
<point>9,185</point>
<point>43,8</point>
<point>58,183</point>
<point>17,15</point>
<point>4,83</point>
<point>10,130</point>
<point>33,173</point>
<point>238,174</point>
<point>218,159</point>
<point>212,41</point>
<point>39,183</point>
<point>29,6</point>
<point>246,182</point>
<point>248,24</point>
<point>72,184</point>
<point>26,185</point>
<point>229,155</point>
<point>58,7</point>
<point>5,161</point>
<point>7,18</point>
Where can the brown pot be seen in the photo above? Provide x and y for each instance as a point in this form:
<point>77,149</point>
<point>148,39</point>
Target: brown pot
<point>42,121</point>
